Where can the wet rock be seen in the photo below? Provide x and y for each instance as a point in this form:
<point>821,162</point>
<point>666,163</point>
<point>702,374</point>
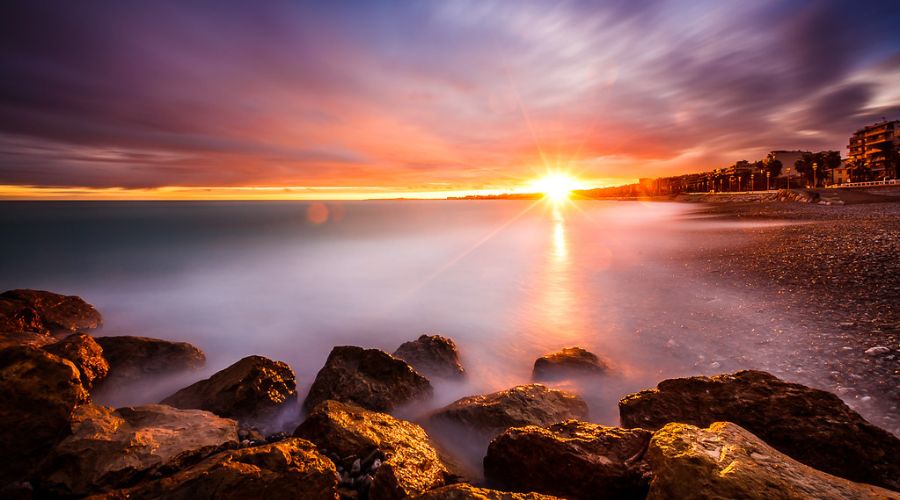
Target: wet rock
<point>571,459</point>
<point>463,491</point>
<point>810,425</point>
<point>522,405</point>
<point>727,461</point>
<point>39,391</point>
<point>292,468</point>
<point>45,312</point>
<point>251,390</point>
<point>111,449</point>
<point>567,362</point>
<point>877,350</point>
<point>132,358</point>
<point>433,356</point>
<point>369,378</point>
<point>409,464</point>
<point>12,339</point>
<point>86,354</point>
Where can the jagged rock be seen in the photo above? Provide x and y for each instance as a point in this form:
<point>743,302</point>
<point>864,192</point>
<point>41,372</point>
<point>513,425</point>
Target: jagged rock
<point>12,339</point>
<point>432,355</point>
<point>571,459</point>
<point>810,425</point>
<point>463,491</point>
<point>292,468</point>
<point>39,391</point>
<point>251,390</point>
<point>522,405</point>
<point>567,362</point>
<point>86,354</point>
<point>45,312</point>
<point>409,463</point>
<point>370,378</point>
<point>132,358</point>
<point>111,449</point>
<point>727,461</point>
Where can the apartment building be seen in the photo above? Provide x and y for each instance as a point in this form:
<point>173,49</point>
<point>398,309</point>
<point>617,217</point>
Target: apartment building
<point>871,146</point>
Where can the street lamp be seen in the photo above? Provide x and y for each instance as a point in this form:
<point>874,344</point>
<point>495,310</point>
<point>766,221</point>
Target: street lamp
<point>767,179</point>
<point>815,179</point>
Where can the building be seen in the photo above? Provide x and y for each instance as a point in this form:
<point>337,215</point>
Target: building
<point>873,146</point>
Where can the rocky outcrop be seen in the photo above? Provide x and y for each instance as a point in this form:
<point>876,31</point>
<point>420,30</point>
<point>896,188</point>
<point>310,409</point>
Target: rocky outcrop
<point>12,339</point>
<point>133,358</point>
<point>568,362</point>
<point>433,356</point>
<point>86,354</point>
<point>111,449</point>
<point>291,468</point>
<point>45,312</point>
<point>571,459</point>
<point>251,390</point>
<point>39,392</point>
<point>810,425</point>
<point>391,458</point>
<point>492,414</point>
<point>463,491</point>
<point>727,461</point>
<point>369,378</point>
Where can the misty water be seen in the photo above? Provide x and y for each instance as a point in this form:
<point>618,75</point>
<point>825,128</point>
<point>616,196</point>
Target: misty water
<point>507,280</point>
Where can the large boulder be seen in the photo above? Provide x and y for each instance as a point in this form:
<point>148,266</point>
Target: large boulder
<point>432,355</point>
<point>727,461</point>
<point>491,414</point>
<point>86,354</point>
<point>251,390</point>
<point>571,459</point>
<point>369,378</point>
<point>810,425</point>
<point>291,468</point>
<point>13,339</point>
<point>111,449</point>
<point>39,391</point>
<point>463,491</point>
<point>45,312</point>
<point>134,358</point>
<point>571,361</point>
<point>390,458</point>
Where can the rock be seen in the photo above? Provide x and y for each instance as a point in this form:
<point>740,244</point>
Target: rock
<point>12,339</point>
<point>812,426</point>
<point>727,461</point>
<point>369,378</point>
<point>463,491</point>
<point>39,392</point>
<point>111,449</point>
<point>432,355</point>
<point>85,354</point>
<point>45,312</point>
<point>409,462</point>
<point>293,468</point>
<point>492,414</point>
<point>877,350</point>
<point>566,362</point>
<point>133,358</point>
<point>571,459</point>
<point>251,390</point>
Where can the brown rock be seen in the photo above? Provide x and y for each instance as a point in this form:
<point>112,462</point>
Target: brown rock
<point>432,355</point>
<point>45,312</point>
<point>370,378</point>
<point>292,468</point>
<point>12,339</point>
<point>571,459</point>
<point>727,461</point>
<point>463,491</point>
<point>810,425</point>
<point>111,449</point>
<point>39,392</point>
<point>251,390</point>
<point>411,464</point>
<point>522,405</point>
<point>567,362</point>
<point>85,354</point>
<point>133,358</point>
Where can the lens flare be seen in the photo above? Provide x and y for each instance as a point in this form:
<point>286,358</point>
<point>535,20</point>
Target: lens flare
<point>555,187</point>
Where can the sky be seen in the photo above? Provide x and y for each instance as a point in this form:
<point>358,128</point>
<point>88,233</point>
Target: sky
<point>328,100</point>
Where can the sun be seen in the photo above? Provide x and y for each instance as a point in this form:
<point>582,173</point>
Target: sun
<point>555,187</point>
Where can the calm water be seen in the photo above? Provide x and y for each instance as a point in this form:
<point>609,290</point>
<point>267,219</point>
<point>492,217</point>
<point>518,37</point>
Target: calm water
<point>509,281</point>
